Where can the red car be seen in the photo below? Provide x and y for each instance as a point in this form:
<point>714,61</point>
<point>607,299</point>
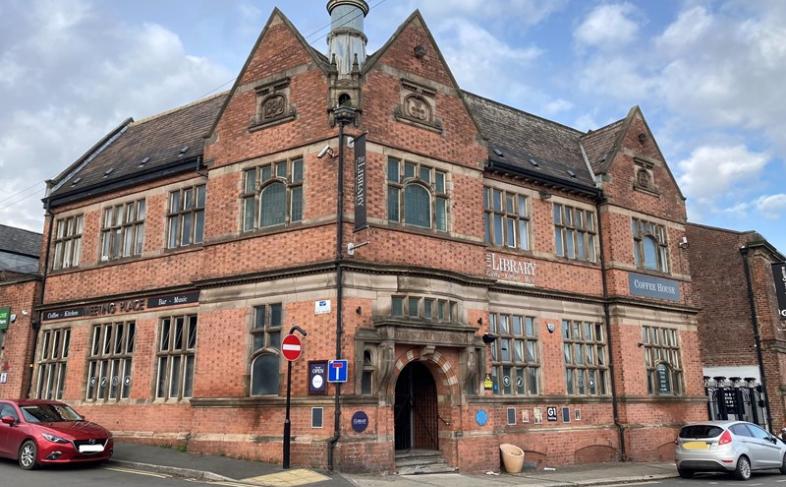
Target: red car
<point>46,432</point>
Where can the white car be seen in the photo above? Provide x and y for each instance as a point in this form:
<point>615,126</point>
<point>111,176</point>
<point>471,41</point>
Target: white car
<point>728,446</point>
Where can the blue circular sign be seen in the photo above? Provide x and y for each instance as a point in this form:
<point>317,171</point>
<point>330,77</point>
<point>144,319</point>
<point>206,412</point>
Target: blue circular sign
<point>481,417</point>
<point>359,421</point>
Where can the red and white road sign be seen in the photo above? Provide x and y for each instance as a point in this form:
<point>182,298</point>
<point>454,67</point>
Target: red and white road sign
<point>291,347</point>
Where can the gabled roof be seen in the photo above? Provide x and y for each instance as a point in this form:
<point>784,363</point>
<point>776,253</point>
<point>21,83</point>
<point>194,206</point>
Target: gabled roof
<point>524,140</point>
<point>600,143</point>
<point>176,135</point>
<point>19,241</point>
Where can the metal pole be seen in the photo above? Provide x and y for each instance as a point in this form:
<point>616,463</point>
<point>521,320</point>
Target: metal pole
<point>287,424</point>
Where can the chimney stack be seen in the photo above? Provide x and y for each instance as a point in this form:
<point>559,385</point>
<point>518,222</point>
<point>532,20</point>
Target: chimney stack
<point>346,41</point>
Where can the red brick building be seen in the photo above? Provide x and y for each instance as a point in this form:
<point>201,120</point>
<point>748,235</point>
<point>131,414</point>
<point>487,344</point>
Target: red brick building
<point>20,286</point>
<point>491,276</point>
<point>737,278</point>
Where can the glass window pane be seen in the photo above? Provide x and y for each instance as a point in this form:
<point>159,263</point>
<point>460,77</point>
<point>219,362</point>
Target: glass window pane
<point>560,249</point>
<point>517,328</point>
<point>297,204</point>
<point>273,205</point>
<point>264,375</point>
<point>192,332</point>
<point>532,380</point>
<point>650,253</point>
<point>412,308</point>
<point>281,169</point>
<point>174,384</point>
<point>442,214</point>
<point>188,386</point>
<point>520,381</point>
<point>532,352</point>
<point>393,202</point>
<point>530,327</point>
<point>439,180</point>
<point>497,200</point>
<point>417,206</point>
<point>498,229</point>
<point>518,354</point>
<point>297,170</point>
<point>265,173</point>
<point>522,206</point>
<point>504,349</point>
<point>162,374</point>
<point>397,306</point>
<point>510,232</point>
<point>393,171</point>
<point>199,227</point>
<point>187,228</point>
<point>200,202</point>
<point>507,380</point>
<point>504,328</point>
<point>487,228</point>
<point>250,181</point>
<point>425,173</point>
<point>523,235</point>
<point>409,170</point>
<point>249,212</point>
<point>569,380</point>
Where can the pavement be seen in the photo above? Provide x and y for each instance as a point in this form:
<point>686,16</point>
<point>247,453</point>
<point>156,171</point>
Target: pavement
<point>568,476</point>
<point>219,469</point>
<point>229,471</point>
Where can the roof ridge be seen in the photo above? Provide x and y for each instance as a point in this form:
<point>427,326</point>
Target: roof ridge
<point>20,229</point>
<point>177,109</point>
<point>524,112</point>
<point>721,229</point>
<point>605,127</point>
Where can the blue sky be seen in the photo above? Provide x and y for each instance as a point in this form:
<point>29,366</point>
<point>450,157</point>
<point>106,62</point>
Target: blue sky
<point>707,74</point>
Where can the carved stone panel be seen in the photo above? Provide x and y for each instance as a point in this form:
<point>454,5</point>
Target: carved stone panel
<point>418,106</point>
<point>273,105</point>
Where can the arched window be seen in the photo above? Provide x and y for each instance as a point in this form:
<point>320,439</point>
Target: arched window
<point>273,195</point>
<point>273,205</point>
<point>650,248</point>
<point>264,374</point>
<point>650,252</point>
<point>417,205</point>
<point>417,195</point>
<point>265,361</point>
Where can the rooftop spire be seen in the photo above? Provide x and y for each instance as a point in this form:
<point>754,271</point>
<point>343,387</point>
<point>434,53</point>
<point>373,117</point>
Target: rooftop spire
<point>346,40</point>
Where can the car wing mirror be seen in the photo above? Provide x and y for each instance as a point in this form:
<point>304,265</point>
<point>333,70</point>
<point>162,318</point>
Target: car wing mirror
<point>9,420</point>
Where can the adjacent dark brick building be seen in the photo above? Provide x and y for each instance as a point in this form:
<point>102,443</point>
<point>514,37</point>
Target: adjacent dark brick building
<point>735,288</point>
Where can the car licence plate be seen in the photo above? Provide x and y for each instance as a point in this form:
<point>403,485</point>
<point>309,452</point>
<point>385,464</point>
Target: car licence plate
<point>91,448</point>
<point>695,445</point>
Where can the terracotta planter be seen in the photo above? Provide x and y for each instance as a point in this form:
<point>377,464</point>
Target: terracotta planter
<point>512,458</point>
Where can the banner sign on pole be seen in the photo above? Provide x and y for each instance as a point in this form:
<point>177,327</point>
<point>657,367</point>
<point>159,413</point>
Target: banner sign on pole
<point>360,183</point>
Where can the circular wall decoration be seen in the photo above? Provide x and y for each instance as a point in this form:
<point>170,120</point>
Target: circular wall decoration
<point>481,417</point>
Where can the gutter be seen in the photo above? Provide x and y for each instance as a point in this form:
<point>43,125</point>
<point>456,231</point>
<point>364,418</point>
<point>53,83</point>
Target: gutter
<point>38,301</point>
<point>97,189</point>
<point>582,189</point>
<point>744,250</point>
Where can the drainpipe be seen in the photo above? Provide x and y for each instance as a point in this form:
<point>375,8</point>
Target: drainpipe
<point>343,115</point>
<point>607,318</point>
<point>39,298</point>
<point>756,337</point>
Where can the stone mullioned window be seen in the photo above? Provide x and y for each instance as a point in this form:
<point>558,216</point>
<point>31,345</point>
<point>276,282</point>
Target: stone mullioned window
<point>586,359</point>
<point>514,355</point>
<point>52,363</point>
<point>273,195</point>
<point>109,363</point>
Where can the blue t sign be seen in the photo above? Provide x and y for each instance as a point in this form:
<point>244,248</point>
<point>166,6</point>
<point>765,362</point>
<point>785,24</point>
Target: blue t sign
<point>338,371</point>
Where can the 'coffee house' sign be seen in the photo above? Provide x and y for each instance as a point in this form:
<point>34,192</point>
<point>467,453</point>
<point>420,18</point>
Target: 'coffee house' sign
<point>121,307</point>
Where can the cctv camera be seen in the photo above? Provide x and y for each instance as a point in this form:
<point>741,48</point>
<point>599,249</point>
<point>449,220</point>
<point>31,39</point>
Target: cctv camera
<point>324,151</point>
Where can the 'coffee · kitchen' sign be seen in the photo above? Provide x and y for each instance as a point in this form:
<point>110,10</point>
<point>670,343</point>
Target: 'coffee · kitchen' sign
<point>122,306</point>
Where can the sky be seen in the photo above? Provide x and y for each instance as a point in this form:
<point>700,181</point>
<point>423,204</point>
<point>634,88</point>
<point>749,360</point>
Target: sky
<point>708,75</point>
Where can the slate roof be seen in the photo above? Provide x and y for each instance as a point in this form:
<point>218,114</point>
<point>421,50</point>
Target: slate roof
<point>521,137</point>
<point>164,138</point>
<point>19,241</point>
<point>598,145</point>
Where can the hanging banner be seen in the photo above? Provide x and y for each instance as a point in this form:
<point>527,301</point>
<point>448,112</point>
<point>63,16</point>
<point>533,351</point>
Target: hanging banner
<point>779,274</point>
<point>360,183</point>
<point>5,318</point>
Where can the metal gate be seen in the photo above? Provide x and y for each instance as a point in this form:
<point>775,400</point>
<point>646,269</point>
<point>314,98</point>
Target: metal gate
<point>415,410</point>
<point>735,399</point>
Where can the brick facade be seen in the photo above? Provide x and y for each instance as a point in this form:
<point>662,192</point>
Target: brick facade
<point>235,272</point>
<point>727,320</point>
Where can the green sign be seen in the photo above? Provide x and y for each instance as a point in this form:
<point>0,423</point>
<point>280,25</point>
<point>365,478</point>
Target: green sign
<point>5,318</point>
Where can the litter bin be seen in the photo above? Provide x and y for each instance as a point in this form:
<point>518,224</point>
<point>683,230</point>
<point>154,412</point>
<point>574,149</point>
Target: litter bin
<point>512,458</point>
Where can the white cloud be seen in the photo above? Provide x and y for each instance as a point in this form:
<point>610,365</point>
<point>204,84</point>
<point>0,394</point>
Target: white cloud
<point>607,26</point>
<point>772,206</point>
<point>690,26</point>
<point>74,74</point>
<point>557,106</point>
<point>482,62</point>
<point>711,171</point>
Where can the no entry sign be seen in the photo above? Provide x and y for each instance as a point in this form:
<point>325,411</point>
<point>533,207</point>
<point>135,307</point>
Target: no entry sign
<point>291,347</point>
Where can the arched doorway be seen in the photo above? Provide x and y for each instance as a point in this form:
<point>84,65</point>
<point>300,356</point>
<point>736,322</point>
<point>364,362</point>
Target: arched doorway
<point>415,409</point>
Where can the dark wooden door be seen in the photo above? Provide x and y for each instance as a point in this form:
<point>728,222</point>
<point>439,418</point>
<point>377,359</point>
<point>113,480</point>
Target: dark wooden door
<point>415,409</point>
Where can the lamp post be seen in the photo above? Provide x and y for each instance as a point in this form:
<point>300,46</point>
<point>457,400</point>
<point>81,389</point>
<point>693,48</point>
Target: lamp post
<point>343,115</point>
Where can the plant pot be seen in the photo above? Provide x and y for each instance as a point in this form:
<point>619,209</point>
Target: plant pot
<point>512,458</point>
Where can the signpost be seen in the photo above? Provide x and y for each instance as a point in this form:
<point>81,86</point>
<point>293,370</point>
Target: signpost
<point>291,349</point>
